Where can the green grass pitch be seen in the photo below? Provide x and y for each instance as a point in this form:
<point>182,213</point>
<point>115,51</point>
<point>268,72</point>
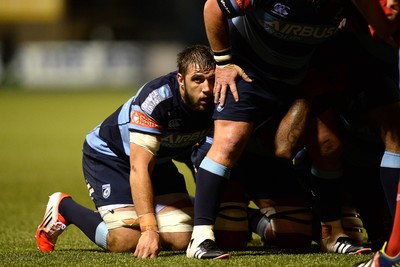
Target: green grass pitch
<point>41,136</point>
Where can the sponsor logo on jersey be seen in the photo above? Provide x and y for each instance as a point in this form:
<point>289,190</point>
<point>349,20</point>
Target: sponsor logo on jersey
<point>181,140</point>
<point>106,190</point>
<point>141,119</point>
<point>281,10</point>
<point>155,97</point>
<point>295,31</point>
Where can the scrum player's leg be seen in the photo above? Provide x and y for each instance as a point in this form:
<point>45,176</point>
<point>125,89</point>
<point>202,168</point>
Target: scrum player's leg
<point>174,214</point>
<point>284,222</point>
<point>231,225</point>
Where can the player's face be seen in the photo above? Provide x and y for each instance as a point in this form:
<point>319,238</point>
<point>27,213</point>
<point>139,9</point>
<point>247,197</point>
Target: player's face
<point>197,88</point>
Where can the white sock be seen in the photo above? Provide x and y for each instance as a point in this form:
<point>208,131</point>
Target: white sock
<point>203,232</point>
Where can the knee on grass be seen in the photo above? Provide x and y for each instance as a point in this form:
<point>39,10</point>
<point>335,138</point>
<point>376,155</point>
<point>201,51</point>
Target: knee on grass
<point>175,227</point>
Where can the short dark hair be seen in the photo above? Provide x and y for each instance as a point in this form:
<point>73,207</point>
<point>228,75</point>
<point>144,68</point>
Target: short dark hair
<point>200,55</point>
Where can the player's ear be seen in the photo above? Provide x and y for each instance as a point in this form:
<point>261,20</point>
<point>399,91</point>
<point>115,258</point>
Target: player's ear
<point>180,79</point>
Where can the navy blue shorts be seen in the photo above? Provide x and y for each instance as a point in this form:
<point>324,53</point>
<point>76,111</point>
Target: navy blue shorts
<point>258,100</point>
<point>107,178</point>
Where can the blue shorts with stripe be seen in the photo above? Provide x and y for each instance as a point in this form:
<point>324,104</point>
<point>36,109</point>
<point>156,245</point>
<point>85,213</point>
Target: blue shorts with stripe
<point>107,178</point>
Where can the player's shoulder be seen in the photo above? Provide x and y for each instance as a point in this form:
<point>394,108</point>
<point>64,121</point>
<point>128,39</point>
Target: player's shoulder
<point>170,79</point>
<point>164,89</point>
<point>161,88</point>
<point>234,8</point>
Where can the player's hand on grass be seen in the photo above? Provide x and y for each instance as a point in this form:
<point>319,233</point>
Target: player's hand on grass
<point>148,245</point>
<point>225,76</point>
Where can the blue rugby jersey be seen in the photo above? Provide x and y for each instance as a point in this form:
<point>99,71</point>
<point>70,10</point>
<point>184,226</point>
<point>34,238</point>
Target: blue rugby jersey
<point>156,109</point>
<point>282,35</point>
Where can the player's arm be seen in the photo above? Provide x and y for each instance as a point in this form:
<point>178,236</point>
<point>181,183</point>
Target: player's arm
<point>217,30</point>
<point>143,149</point>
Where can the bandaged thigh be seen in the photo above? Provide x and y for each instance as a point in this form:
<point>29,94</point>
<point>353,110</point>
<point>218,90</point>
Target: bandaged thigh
<point>117,219</point>
<point>178,220</point>
<point>171,221</point>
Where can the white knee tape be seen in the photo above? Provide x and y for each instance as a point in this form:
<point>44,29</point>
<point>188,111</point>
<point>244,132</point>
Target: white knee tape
<point>232,216</point>
<point>180,220</point>
<point>118,219</point>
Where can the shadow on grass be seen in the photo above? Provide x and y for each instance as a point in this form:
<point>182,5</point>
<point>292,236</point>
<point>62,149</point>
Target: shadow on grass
<point>256,251</point>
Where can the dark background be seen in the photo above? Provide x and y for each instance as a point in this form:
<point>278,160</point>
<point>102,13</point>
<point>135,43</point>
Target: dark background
<point>158,23</point>
<point>132,20</point>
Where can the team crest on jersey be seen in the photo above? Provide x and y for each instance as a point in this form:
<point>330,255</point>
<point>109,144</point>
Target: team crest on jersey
<point>219,107</point>
<point>141,119</point>
<point>106,190</point>
<point>155,97</point>
<point>174,123</point>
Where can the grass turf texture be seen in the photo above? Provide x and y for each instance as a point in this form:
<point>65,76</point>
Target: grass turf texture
<point>41,137</point>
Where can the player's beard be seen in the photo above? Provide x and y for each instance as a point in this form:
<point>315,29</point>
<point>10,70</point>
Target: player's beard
<point>193,102</point>
<point>190,102</point>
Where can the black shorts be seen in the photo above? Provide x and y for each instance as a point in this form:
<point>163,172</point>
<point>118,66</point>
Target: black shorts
<point>107,178</point>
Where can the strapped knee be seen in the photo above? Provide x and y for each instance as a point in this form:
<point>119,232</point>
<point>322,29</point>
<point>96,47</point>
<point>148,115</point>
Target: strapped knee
<point>179,220</point>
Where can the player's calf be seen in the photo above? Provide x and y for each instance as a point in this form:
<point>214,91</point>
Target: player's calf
<point>352,224</point>
<point>283,225</point>
<point>231,226</point>
<point>350,238</point>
